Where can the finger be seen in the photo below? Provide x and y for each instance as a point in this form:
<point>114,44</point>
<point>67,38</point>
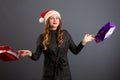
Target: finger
<point>24,54</point>
<point>87,34</point>
<point>92,35</point>
<point>20,51</point>
<point>27,51</point>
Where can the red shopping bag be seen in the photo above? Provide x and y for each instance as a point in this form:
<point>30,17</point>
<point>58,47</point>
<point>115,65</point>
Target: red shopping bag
<point>8,54</point>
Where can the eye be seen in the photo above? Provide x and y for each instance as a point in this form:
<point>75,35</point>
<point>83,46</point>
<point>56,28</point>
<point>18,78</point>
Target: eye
<point>57,17</point>
<point>51,18</point>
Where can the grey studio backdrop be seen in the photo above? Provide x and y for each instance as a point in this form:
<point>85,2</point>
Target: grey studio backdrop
<point>19,28</point>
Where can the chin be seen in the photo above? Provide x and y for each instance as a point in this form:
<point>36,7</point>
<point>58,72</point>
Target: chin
<point>54,26</point>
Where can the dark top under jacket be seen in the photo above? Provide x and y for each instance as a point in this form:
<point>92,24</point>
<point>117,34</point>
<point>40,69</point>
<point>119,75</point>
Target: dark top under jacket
<point>56,66</point>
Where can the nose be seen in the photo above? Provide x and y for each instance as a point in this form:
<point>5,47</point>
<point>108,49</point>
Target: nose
<point>55,19</point>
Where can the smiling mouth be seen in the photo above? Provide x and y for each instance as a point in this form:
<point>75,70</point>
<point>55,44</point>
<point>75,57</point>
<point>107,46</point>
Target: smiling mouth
<point>54,23</point>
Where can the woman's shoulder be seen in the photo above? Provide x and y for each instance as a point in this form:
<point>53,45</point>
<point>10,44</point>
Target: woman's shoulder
<point>66,33</point>
<point>40,36</point>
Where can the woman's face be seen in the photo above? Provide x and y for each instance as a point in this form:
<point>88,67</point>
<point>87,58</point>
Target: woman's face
<point>54,21</point>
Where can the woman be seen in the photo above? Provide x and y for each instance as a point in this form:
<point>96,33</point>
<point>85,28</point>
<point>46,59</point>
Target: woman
<point>54,43</point>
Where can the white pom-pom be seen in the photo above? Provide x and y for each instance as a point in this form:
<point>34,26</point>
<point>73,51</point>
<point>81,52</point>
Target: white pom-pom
<point>41,20</point>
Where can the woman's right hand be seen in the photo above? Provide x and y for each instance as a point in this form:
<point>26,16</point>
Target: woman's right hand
<point>24,53</point>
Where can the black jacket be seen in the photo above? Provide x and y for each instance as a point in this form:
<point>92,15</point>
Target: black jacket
<point>56,66</point>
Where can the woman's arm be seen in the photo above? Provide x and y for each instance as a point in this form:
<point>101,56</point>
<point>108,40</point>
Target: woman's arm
<point>36,55</point>
<point>77,48</point>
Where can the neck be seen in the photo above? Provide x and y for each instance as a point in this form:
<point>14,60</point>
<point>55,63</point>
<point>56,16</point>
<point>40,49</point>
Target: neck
<point>53,28</point>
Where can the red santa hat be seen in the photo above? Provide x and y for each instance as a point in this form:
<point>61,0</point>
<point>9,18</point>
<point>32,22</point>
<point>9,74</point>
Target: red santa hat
<point>45,15</point>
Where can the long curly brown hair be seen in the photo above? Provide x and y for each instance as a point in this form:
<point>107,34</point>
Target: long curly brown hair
<point>46,39</point>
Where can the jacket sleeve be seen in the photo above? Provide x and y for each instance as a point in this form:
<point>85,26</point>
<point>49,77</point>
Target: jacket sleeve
<point>72,46</point>
<point>39,48</point>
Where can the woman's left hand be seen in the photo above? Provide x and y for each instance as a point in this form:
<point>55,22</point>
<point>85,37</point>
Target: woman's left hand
<point>88,38</point>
